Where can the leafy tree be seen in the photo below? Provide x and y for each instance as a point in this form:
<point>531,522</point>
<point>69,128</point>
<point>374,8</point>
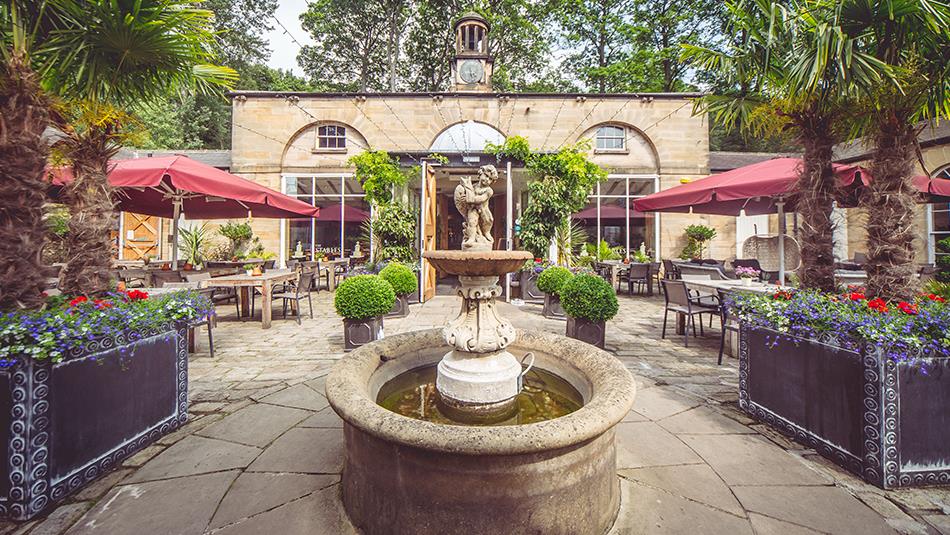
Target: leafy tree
<point>600,34</point>
<point>104,57</point>
<point>239,27</point>
<point>559,187</point>
<point>774,41</point>
<point>898,64</point>
<point>356,43</point>
<point>24,115</point>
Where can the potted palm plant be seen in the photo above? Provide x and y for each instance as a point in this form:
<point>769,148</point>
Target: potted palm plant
<point>589,301</point>
<point>404,283</point>
<point>362,301</point>
<point>550,281</point>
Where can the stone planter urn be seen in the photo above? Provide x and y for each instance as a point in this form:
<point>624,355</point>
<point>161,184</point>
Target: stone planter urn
<point>552,307</point>
<point>63,425</point>
<point>585,330</point>
<point>360,332</point>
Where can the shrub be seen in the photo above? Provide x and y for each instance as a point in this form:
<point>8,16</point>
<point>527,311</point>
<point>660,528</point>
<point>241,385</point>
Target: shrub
<point>553,278</point>
<point>589,297</point>
<point>364,296</point>
<point>402,279</point>
<point>238,235</point>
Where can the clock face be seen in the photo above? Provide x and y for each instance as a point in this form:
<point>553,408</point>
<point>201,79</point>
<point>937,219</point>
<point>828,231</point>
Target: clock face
<point>470,71</point>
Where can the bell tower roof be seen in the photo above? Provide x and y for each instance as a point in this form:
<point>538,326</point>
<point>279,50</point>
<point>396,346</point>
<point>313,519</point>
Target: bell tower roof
<point>471,16</point>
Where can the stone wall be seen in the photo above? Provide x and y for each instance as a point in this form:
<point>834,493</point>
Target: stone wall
<point>274,135</point>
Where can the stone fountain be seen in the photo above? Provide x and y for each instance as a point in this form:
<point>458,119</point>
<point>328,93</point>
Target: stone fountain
<point>479,471</point>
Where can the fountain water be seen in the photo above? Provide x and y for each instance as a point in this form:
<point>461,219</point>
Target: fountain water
<point>443,468</point>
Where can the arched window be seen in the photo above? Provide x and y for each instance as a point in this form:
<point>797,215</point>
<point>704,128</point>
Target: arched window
<point>611,138</point>
<point>331,136</point>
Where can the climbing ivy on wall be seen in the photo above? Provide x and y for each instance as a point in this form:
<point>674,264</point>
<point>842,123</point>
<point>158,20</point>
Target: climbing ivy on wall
<point>559,185</point>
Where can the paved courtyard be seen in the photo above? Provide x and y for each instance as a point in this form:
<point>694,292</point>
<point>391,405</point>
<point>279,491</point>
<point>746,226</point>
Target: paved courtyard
<point>262,451</point>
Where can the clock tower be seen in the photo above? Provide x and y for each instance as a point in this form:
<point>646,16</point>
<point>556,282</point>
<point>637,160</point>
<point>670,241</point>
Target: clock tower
<point>472,66</point>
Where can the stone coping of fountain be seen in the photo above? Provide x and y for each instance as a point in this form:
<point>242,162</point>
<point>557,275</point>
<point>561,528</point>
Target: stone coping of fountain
<point>475,263</point>
<point>609,396</point>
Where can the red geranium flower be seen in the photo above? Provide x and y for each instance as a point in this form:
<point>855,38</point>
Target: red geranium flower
<point>782,295</point>
<point>78,300</point>
<point>135,295</point>
<point>856,296</point>
<point>537,260</point>
<point>937,298</point>
<point>878,304</point>
<point>907,308</point>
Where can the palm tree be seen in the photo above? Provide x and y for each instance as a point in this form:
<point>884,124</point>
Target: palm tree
<point>24,116</point>
<point>106,56</point>
<point>911,39</point>
<point>773,42</point>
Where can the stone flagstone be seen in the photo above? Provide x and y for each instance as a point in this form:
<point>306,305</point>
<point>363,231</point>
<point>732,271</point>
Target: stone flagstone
<point>701,421</point>
<point>303,450</point>
<point>195,455</point>
<point>655,512</point>
<point>255,425</point>
<point>642,444</point>
<point>752,460</point>
<point>299,396</point>
<point>318,513</point>
<point>254,493</point>
<point>659,403</point>
<point>696,482</point>
<point>826,509</point>
<point>181,506</point>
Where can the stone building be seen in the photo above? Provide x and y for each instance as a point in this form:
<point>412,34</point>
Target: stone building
<point>299,143</point>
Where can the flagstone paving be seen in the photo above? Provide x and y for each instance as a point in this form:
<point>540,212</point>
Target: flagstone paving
<point>262,451</point>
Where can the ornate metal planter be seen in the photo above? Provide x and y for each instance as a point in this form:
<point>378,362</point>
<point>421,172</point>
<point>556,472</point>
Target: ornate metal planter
<point>552,307</point>
<point>592,332</point>
<point>361,332</point>
<point>400,307</point>
<point>529,287</point>
<point>66,424</point>
<point>883,420</point>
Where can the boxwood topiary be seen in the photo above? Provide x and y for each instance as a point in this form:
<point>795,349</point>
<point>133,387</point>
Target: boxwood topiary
<point>363,296</point>
<point>589,297</point>
<point>553,278</point>
<point>401,277</point>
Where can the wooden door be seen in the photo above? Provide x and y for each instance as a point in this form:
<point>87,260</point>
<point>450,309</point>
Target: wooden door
<point>428,231</point>
<point>140,236</point>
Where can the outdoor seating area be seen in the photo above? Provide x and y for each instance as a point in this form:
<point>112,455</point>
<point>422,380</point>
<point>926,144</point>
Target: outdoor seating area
<point>514,268</point>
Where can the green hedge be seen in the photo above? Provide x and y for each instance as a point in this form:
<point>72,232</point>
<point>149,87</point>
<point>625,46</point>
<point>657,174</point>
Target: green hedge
<point>363,296</point>
<point>401,277</point>
<point>553,278</point>
<point>589,297</point>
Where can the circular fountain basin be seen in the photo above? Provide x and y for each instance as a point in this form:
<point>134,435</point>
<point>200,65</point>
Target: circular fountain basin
<point>475,263</point>
<point>403,475</point>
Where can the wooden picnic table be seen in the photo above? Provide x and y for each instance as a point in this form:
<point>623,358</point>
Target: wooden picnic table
<point>246,284</point>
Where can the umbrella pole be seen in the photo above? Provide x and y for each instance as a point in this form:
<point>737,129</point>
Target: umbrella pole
<point>176,213</point>
<point>781,242</point>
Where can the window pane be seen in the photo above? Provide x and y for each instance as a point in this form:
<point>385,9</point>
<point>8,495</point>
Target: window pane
<point>351,186</point>
<point>327,240</point>
<point>356,211</point>
<point>941,219</point>
<point>300,233</point>
<point>327,185</point>
<point>614,186</point>
<point>613,212</point>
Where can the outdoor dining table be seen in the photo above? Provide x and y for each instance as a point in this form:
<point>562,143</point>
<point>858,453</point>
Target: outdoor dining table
<point>246,283</point>
<point>735,286</point>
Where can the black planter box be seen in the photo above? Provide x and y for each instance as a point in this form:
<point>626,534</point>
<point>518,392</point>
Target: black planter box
<point>66,424</point>
<point>361,332</point>
<point>529,287</point>
<point>883,420</point>
<point>552,307</point>
<point>592,332</point>
<point>400,307</point>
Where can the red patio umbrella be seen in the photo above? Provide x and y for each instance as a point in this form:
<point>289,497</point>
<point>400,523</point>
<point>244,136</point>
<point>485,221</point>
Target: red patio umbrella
<point>171,186</point>
<point>764,188</point>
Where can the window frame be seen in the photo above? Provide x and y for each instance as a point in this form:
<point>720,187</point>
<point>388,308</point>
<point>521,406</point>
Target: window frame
<point>933,235</point>
<point>336,137</point>
<point>622,149</point>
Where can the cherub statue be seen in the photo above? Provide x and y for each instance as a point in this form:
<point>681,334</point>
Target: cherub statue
<point>471,200</point>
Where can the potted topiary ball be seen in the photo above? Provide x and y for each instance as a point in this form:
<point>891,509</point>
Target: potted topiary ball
<point>589,301</point>
<point>362,300</point>
<point>550,281</point>
<point>404,283</point>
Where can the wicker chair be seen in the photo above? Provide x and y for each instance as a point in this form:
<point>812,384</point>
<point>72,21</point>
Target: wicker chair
<point>764,248</point>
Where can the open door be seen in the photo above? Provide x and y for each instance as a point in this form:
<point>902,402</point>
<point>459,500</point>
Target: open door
<point>429,204</point>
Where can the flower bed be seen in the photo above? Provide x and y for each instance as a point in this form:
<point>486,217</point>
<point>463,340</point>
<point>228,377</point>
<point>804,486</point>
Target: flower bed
<point>84,384</point>
<point>863,381</point>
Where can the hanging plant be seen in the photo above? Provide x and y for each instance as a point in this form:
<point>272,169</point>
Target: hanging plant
<point>378,173</point>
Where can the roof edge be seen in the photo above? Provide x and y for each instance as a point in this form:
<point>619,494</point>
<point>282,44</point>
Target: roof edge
<point>285,94</point>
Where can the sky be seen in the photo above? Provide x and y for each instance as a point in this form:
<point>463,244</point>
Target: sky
<point>283,50</point>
